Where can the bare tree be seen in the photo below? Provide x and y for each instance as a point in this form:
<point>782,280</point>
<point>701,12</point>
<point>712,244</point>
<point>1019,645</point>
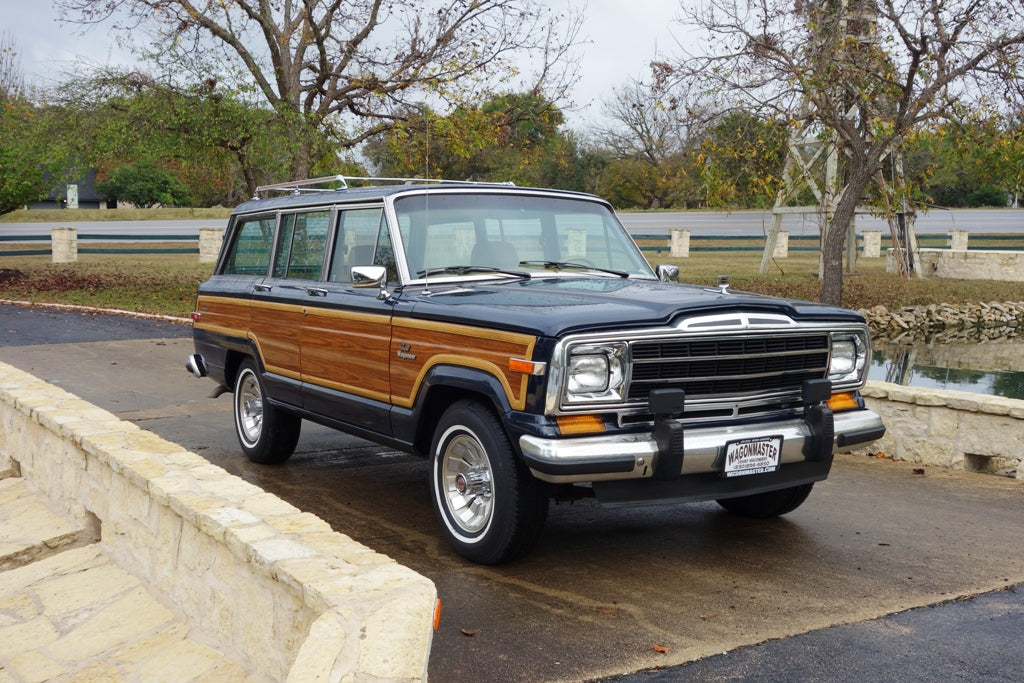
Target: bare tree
<point>345,70</point>
<point>650,135</point>
<point>869,71</point>
<point>12,82</point>
<point>644,125</point>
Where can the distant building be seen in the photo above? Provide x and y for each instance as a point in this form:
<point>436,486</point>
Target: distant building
<point>88,197</point>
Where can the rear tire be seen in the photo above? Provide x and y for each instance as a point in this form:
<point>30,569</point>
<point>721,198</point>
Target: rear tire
<point>267,434</point>
<point>769,504</point>
<point>490,507</point>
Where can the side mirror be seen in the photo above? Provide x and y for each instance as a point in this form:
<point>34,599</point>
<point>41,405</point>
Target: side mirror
<point>364,277</point>
<point>667,273</point>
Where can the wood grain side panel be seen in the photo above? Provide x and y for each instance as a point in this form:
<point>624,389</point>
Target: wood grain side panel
<point>438,343</point>
<point>275,329</point>
<point>223,315</point>
<point>347,351</point>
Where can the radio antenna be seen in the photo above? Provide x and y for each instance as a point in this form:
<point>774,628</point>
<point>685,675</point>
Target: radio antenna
<point>426,199</point>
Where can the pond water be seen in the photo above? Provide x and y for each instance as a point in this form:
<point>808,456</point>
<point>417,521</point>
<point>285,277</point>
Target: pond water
<point>984,366</point>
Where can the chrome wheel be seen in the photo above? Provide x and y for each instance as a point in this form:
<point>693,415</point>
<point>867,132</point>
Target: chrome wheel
<point>249,408</point>
<point>466,482</point>
<point>267,433</point>
<point>490,507</point>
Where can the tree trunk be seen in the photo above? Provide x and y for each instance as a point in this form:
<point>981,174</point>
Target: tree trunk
<point>835,237</point>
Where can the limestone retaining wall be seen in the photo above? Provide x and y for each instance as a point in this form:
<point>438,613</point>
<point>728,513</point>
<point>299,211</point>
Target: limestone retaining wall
<point>969,265</point>
<point>954,429</point>
<point>298,600</point>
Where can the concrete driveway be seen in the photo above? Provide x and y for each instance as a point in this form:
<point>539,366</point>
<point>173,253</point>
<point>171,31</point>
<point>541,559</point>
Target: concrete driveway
<point>613,592</point>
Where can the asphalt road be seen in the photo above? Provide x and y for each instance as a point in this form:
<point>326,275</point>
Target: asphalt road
<point>654,222</point>
<point>936,221</point>
<point>883,574</point>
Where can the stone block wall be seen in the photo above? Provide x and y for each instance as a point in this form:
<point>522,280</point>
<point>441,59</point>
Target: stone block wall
<point>945,428</point>
<point>296,599</point>
<point>969,265</point>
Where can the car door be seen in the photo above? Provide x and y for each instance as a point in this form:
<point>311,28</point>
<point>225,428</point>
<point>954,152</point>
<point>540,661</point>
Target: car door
<point>280,302</point>
<point>346,331</point>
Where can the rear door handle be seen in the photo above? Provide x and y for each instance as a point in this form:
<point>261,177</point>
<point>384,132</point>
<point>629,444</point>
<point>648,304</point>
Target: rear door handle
<point>262,288</point>
<point>316,291</point>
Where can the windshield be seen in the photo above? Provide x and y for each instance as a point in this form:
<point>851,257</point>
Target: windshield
<point>478,233</point>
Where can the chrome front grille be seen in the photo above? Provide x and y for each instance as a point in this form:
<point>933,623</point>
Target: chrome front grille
<point>729,366</point>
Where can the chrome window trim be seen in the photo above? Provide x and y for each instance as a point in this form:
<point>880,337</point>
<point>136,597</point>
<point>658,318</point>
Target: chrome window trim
<point>400,249</point>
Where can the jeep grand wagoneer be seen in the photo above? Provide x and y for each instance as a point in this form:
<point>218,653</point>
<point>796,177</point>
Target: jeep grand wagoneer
<point>519,339</point>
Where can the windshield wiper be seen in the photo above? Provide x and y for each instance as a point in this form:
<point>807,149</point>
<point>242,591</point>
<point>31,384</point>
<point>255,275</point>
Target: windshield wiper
<point>569,265</point>
<point>466,270</point>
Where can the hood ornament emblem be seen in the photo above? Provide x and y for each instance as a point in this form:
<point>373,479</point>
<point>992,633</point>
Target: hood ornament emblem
<point>723,284</point>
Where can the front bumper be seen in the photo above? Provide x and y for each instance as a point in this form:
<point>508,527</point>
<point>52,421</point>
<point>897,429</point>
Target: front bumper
<point>635,456</point>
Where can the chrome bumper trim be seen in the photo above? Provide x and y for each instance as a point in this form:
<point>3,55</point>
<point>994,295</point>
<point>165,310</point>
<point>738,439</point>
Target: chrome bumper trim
<point>632,456</point>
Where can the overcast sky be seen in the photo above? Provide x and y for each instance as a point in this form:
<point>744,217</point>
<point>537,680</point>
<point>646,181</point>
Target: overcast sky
<point>623,37</point>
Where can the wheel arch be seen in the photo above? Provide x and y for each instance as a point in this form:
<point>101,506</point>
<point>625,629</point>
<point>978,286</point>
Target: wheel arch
<point>446,384</point>
<point>233,360</point>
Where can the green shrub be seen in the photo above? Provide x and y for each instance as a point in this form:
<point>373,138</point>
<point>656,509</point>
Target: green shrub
<point>145,185</point>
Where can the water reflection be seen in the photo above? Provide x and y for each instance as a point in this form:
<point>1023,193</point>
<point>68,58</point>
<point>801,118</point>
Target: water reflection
<point>979,365</point>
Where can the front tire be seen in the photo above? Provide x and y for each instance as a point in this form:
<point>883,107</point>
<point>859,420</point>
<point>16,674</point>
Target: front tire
<point>768,504</point>
<point>490,507</point>
<point>267,434</point>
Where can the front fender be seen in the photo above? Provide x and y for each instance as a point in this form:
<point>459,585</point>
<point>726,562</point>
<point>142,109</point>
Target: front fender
<point>442,386</point>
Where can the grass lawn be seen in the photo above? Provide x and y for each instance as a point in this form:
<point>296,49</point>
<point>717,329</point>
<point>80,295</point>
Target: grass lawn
<point>166,283</point>
<point>57,216</point>
<point>150,283</point>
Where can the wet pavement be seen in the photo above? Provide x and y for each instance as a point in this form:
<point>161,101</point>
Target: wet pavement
<point>877,557</point>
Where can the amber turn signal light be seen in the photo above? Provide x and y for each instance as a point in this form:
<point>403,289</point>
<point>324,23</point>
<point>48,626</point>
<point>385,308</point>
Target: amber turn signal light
<point>844,401</point>
<point>580,424</point>
<point>527,367</point>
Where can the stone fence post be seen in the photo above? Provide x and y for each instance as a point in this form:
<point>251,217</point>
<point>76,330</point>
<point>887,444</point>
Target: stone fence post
<point>679,243</point>
<point>958,240</point>
<point>781,245</point>
<point>64,245</point>
<point>872,247</point>
<point>209,244</point>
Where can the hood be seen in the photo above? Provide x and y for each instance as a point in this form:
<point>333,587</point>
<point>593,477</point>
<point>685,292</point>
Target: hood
<point>558,306</point>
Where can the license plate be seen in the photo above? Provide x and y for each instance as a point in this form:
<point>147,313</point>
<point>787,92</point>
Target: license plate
<point>752,456</point>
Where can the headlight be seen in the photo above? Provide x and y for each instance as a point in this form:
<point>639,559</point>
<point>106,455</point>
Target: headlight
<point>848,358</point>
<point>595,373</point>
<point>844,357</point>
<point>588,374</point>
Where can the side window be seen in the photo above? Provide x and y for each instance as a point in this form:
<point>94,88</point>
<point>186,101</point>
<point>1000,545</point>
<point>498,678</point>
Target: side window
<point>301,245</point>
<point>249,253</point>
<point>362,241</point>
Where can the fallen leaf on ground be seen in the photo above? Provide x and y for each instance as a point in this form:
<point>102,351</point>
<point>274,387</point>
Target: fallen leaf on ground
<point>661,649</point>
<point>468,633</point>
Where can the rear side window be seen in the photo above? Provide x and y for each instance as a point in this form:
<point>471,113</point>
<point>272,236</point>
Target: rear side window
<point>249,253</point>
<point>301,245</point>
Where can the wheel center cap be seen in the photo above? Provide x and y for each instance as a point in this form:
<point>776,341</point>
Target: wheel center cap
<point>475,482</point>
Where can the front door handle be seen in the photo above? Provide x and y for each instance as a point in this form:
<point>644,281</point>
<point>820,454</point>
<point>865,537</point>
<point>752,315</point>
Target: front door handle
<point>316,291</point>
<point>262,288</point>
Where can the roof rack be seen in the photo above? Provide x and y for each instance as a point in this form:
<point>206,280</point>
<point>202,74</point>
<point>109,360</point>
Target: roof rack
<point>307,185</point>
